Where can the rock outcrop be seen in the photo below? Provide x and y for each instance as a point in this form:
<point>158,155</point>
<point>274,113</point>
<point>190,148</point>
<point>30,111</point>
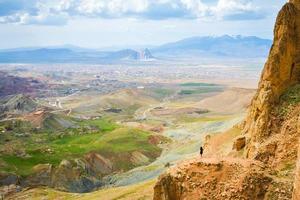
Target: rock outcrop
<point>239,143</point>
<point>281,71</point>
<point>296,194</point>
<point>214,179</point>
<point>17,104</point>
<point>79,175</point>
<point>269,138</point>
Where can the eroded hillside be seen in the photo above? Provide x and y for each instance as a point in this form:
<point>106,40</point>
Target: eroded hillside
<point>267,153</point>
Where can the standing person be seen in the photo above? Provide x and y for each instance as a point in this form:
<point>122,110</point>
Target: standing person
<point>201,151</point>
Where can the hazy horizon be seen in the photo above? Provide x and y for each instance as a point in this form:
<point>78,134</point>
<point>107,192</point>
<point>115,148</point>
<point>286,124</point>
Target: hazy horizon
<point>120,47</point>
<point>118,23</point>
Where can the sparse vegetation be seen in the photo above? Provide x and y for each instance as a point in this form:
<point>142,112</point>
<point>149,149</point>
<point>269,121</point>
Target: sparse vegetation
<point>288,100</point>
<point>163,92</point>
<point>292,95</point>
<point>191,119</point>
<point>141,191</point>
<point>198,84</point>
<point>200,90</point>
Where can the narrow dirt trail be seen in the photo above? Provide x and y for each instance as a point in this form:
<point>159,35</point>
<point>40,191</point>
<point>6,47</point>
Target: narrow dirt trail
<point>145,112</point>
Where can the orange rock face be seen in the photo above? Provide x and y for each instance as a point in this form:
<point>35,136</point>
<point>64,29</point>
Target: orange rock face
<point>271,131</point>
<point>213,179</point>
<point>296,194</point>
<point>281,72</point>
<point>273,139</point>
<point>296,3</point>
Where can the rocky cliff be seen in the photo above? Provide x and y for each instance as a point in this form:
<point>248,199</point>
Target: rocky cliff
<point>296,194</point>
<point>271,131</point>
<point>280,73</point>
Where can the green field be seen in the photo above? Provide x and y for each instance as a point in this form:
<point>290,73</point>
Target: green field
<point>105,137</point>
<point>198,84</point>
<point>162,92</point>
<point>201,90</point>
<point>102,124</point>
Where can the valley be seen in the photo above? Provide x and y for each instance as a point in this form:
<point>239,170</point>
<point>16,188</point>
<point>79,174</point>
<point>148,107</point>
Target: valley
<point>93,128</point>
<point>150,100</point>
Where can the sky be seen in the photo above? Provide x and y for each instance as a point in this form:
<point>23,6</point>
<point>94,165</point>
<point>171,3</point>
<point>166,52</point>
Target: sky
<point>123,23</point>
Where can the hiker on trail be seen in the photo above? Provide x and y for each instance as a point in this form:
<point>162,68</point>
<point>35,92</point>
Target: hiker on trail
<point>201,151</point>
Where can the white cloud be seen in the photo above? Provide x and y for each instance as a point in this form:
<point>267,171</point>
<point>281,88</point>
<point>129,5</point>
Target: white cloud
<point>232,7</point>
<point>49,19</point>
<point>91,7</point>
<point>197,7</point>
<point>111,7</point>
<point>222,9</point>
<point>50,12</point>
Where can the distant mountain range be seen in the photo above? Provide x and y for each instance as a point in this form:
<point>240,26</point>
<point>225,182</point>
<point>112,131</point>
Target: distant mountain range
<point>195,47</point>
<point>224,46</point>
<point>66,55</point>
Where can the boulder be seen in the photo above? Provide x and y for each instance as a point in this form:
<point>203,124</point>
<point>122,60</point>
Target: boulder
<point>239,143</point>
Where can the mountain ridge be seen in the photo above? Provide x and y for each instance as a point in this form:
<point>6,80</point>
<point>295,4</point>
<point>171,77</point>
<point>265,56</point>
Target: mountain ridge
<point>218,46</point>
<point>194,47</point>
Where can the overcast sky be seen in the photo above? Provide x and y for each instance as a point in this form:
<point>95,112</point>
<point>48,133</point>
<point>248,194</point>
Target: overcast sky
<point>105,23</point>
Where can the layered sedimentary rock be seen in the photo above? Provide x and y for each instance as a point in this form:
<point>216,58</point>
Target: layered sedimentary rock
<point>271,132</point>
<point>79,175</point>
